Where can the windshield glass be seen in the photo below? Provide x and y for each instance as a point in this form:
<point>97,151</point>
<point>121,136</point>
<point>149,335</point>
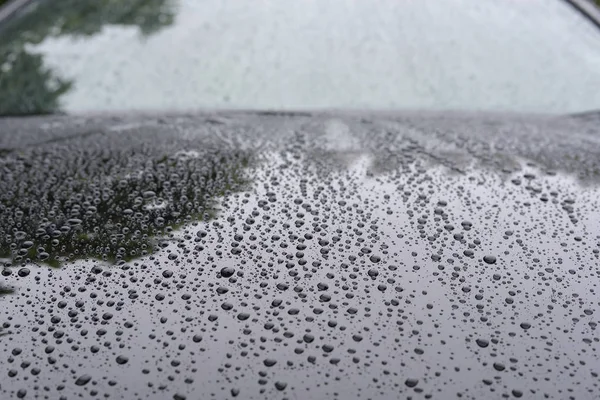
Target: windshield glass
<point>122,55</point>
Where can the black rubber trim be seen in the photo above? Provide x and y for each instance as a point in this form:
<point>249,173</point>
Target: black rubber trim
<point>587,9</point>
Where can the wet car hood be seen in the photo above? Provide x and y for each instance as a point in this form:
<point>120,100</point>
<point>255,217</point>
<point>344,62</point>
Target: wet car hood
<point>296,255</point>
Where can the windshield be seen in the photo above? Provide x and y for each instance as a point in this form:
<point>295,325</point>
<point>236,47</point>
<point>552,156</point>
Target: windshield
<point>130,55</point>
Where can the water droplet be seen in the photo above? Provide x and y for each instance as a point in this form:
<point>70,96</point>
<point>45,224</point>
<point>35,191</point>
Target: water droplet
<point>489,259</point>
<point>411,382</point>
<point>121,359</point>
<point>269,362</point>
<point>83,380</point>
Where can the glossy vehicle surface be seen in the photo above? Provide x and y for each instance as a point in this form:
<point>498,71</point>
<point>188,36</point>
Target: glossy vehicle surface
<point>327,255</point>
<point>320,254</point>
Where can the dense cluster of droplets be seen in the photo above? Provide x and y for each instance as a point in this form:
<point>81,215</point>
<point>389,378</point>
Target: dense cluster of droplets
<point>62,202</point>
<point>378,269</point>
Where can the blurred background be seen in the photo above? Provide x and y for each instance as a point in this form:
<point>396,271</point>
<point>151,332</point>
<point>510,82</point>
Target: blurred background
<point>162,55</point>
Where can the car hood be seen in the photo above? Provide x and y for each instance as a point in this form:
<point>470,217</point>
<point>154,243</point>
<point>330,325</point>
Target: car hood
<point>300,255</point>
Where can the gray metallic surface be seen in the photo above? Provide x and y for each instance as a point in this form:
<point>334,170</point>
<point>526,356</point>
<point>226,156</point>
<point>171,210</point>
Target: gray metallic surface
<point>341,255</point>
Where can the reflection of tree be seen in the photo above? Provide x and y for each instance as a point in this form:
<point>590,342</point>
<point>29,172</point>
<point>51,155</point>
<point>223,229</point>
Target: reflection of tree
<point>26,87</point>
<point>87,18</point>
<point>4,291</point>
<point>73,210</point>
